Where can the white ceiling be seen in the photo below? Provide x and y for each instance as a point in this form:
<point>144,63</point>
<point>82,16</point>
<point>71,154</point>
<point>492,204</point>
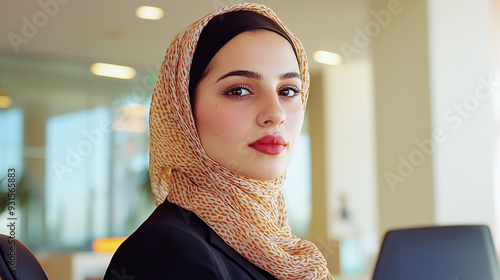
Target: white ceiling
<point>107,31</point>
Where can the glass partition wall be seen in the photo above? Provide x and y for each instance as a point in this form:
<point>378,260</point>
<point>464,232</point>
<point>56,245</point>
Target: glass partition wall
<point>79,146</point>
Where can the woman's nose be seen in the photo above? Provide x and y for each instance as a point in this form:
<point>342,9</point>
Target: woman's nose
<point>271,112</point>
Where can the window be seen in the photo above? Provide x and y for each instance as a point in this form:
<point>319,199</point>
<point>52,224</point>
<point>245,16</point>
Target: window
<point>297,189</point>
<point>77,176</point>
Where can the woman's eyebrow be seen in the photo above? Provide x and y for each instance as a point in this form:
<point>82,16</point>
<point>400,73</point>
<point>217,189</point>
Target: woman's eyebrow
<point>290,75</point>
<point>242,73</point>
<point>258,76</point>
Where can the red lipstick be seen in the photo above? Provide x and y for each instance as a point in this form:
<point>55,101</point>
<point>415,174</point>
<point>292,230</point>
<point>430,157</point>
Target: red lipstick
<point>269,144</point>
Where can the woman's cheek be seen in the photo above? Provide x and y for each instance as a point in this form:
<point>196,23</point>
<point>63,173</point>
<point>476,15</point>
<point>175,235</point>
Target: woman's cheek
<point>295,118</point>
<point>227,123</point>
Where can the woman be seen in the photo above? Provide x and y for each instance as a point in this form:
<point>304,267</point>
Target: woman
<point>225,118</point>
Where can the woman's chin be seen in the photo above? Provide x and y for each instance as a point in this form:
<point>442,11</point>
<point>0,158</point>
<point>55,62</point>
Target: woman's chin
<point>262,175</point>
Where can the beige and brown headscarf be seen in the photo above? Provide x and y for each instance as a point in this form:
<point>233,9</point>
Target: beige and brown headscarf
<point>249,215</point>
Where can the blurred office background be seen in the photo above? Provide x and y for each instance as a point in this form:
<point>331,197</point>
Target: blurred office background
<point>402,124</point>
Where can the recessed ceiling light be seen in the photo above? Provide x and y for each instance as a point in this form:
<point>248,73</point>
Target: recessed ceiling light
<point>148,12</point>
<point>112,70</point>
<point>329,58</point>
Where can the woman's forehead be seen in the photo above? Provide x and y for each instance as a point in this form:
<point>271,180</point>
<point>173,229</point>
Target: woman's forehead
<point>263,51</point>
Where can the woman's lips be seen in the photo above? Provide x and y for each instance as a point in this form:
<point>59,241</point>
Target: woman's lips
<point>270,144</point>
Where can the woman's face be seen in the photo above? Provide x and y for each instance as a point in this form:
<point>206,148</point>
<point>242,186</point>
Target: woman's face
<point>248,109</point>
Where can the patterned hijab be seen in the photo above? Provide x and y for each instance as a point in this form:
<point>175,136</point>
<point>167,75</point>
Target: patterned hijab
<point>249,215</point>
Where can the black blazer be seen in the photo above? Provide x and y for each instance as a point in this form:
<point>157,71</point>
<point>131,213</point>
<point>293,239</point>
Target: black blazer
<point>174,243</point>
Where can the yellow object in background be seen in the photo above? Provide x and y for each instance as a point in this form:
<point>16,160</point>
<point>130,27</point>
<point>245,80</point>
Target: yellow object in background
<point>107,245</point>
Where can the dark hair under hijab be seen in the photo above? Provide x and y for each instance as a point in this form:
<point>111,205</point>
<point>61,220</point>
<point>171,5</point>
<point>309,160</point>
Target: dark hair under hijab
<point>220,30</point>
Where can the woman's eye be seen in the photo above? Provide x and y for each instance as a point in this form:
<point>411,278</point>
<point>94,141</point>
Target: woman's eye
<point>290,92</point>
<point>237,92</point>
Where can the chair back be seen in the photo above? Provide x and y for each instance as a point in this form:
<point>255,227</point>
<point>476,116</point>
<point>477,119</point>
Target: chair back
<point>438,253</point>
<point>17,262</point>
